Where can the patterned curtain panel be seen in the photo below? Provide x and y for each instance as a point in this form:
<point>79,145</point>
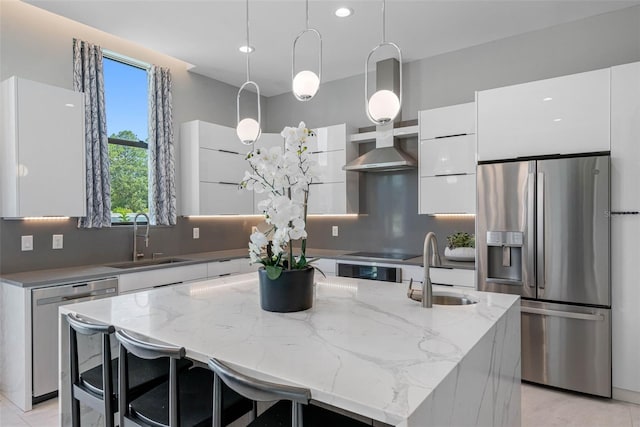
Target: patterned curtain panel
<point>162,185</point>
<point>88,78</point>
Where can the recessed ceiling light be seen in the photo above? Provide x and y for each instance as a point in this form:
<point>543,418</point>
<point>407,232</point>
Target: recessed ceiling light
<point>246,49</point>
<point>343,12</point>
<point>557,120</point>
<point>548,98</point>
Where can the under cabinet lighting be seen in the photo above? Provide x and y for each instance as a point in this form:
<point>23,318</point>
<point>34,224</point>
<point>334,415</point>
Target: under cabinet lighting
<point>44,218</point>
<point>229,216</point>
<point>453,215</point>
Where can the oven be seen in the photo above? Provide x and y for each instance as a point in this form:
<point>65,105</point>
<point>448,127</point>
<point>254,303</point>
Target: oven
<point>370,271</point>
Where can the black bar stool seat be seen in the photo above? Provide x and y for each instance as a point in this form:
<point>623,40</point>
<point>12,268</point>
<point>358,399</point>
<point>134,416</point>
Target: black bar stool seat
<point>195,396</point>
<point>144,375</point>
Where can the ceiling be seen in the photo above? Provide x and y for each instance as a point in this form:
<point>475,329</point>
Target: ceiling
<point>207,34</point>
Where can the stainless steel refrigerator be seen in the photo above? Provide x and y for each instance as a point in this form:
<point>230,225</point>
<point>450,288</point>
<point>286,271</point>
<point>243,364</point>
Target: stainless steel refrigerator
<point>542,232</point>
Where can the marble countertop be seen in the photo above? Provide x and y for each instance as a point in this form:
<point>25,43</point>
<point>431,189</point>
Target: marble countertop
<point>364,346</point>
<point>38,278</point>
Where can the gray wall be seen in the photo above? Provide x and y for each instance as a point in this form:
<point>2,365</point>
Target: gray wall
<point>36,44</point>
<point>390,200</point>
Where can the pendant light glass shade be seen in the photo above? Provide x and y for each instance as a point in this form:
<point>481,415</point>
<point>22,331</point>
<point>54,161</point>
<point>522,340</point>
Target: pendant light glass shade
<point>305,84</point>
<point>247,128</point>
<point>384,105</point>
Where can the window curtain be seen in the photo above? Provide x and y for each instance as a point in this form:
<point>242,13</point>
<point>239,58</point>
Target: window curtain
<point>162,186</point>
<point>88,77</point>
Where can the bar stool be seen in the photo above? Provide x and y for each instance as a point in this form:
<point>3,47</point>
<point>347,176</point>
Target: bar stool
<point>292,409</point>
<point>90,387</point>
<point>186,399</point>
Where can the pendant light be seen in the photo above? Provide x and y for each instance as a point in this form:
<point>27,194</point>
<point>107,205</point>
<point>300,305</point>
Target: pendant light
<point>384,105</point>
<point>248,129</point>
<point>306,83</point>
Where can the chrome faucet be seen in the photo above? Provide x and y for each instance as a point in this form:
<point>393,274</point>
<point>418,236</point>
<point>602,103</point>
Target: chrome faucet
<point>430,243</point>
<point>137,254</point>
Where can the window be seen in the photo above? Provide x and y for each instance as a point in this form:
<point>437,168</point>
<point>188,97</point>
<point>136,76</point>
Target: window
<point>126,102</point>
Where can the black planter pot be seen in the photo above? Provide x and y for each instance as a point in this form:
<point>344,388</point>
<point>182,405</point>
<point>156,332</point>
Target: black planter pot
<point>292,291</point>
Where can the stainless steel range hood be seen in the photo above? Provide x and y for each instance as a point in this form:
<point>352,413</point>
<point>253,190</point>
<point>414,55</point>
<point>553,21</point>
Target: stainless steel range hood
<point>386,157</point>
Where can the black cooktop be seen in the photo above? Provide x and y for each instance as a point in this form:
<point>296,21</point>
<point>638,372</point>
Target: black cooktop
<point>384,255</point>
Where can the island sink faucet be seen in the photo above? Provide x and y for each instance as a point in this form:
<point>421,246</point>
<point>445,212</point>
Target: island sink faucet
<point>433,260</point>
<point>136,254</point>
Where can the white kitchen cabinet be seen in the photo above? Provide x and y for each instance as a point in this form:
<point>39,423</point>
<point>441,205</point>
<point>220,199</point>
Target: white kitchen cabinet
<point>563,115</point>
<point>453,276</point>
<point>230,267</point>
<point>141,280</point>
<point>449,194</point>
<point>447,166</point>
<point>42,167</point>
<point>213,162</point>
<point>327,265</point>
<point>447,156</point>
<point>337,191</point>
<point>625,229</point>
<point>448,121</point>
<point>415,272</point>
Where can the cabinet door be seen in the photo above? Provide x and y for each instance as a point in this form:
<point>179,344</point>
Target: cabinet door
<point>328,138</point>
<point>217,137</point>
<point>330,164</point>
<point>141,280</point>
<point>220,166</point>
<point>453,276</point>
<point>327,266</point>
<point>448,194</point>
<point>223,199</point>
<point>625,252</point>
<point>327,198</point>
<point>445,156</point>
<point>269,140</point>
<point>48,151</point>
<point>446,121</point>
<point>563,115</point>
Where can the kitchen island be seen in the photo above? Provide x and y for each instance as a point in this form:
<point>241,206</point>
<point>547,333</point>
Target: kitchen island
<point>364,347</point>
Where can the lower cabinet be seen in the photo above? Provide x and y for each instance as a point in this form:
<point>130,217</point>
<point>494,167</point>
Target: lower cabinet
<point>141,280</point>
<point>453,276</point>
<point>229,267</point>
<point>327,266</point>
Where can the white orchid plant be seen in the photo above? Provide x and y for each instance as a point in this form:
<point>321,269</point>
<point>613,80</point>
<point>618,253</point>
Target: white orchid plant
<point>285,175</point>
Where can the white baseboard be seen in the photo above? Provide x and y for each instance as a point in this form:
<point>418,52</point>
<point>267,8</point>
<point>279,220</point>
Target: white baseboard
<point>626,395</point>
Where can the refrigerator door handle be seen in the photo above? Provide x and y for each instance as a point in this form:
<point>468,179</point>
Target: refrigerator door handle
<point>530,229</point>
<point>541,273</point>
<point>565,314</point>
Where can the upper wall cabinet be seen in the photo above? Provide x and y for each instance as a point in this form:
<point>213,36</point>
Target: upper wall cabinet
<point>337,191</point>
<point>447,165</point>
<point>563,115</point>
<point>42,166</point>
<point>212,161</point>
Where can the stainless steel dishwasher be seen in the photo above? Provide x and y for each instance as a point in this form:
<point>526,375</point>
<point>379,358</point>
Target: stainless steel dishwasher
<point>44,305</point>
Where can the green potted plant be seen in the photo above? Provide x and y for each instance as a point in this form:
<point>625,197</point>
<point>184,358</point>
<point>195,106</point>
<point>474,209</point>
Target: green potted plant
<point>461,246</point>
<point>286,280</point>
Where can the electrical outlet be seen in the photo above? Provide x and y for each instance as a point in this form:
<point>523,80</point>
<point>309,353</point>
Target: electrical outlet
<point>334,231</point>
<point>27,243</point>
<point>196,233</point>
<point>57,241</point>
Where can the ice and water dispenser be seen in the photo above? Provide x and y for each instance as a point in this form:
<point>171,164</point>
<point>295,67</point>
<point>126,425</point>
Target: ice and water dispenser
<point>504,256</point>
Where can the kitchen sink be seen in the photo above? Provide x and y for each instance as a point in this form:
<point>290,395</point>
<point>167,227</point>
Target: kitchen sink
<point>136,264</point>
<point>451,299</point>
<point>440,298</point>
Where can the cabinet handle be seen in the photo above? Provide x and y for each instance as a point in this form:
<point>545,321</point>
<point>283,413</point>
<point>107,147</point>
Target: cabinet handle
<point>452,174</point>
<point>451,136</point>
<point>228,151</point>
<point>228,183</point>
<point>624,213</point>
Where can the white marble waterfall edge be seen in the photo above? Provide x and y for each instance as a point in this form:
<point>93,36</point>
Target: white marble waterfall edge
<point>363,347</point>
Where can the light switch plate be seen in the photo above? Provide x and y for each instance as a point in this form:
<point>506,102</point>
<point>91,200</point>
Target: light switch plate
<point>196,232</point>
<point>57,241</point>
<point>27,243</point>
<point>334,231</point>
<point>254,229</point>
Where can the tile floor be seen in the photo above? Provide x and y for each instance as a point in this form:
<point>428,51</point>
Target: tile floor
<point>541,407</point>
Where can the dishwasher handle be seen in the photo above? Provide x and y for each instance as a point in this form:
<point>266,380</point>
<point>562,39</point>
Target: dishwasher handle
<point>61,298</point>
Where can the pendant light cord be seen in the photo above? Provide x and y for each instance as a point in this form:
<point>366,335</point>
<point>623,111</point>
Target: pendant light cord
<point>384,22</point>
<point>248,45</point>
<point>307,9</point>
